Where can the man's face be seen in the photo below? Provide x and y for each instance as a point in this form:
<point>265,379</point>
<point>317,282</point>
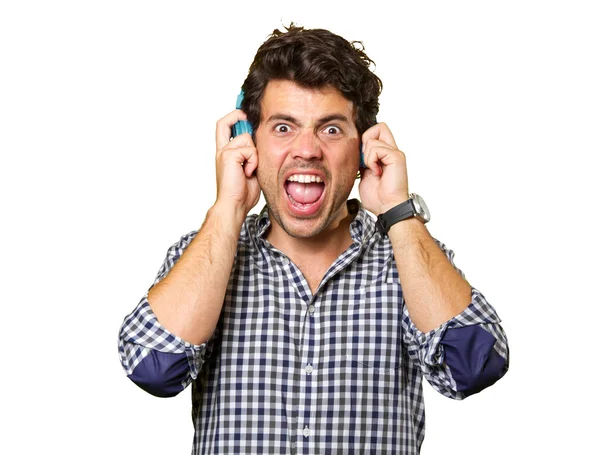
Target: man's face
<point>308,156</point>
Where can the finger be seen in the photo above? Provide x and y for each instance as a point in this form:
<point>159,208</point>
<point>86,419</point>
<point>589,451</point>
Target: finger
<point>251,162</point>
<point>223,130</point>
<point>364,173</point>
<point>384,154</point>
<point>370,158</point>
<point>381,132</point>
<point>238,154</point>
<point>243,156</point>
<point>243,140</point>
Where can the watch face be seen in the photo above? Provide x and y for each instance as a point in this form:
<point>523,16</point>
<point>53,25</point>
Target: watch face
<point>421,208</point>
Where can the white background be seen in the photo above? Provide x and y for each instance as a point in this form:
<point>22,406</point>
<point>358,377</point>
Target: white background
<point>107,115</point>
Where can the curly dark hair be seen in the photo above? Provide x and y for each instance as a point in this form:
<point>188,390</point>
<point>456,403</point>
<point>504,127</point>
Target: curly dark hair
<point>314,58</point>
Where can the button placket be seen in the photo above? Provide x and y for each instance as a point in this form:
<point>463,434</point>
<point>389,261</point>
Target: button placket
<point>307,389</point>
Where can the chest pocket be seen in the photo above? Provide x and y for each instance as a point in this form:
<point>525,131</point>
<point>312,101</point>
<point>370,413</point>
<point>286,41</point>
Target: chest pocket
<point>375,323</point>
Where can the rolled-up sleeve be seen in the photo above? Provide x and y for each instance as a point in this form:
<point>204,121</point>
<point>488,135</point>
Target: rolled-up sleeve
<point>465,354</point>
<point>152,357</point>
<point>155,359</point>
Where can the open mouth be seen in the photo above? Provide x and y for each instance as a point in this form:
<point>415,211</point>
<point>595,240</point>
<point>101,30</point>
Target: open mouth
<point>304,191</point>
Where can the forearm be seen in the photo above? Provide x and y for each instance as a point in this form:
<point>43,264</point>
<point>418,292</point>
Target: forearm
<point>188,301</point>
<point>433,290</point>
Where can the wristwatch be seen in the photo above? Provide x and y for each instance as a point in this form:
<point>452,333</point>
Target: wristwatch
<point>414,207</point>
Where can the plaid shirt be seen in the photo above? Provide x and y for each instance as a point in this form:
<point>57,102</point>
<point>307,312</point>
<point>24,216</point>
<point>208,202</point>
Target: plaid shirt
<point>290,372</point>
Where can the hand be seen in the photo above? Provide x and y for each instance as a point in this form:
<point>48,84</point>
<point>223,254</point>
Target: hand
<point>236,161</point>
<point>384,183</point>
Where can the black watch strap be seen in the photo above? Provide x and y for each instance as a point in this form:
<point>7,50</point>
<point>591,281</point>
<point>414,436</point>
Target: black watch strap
<point>394,215</point>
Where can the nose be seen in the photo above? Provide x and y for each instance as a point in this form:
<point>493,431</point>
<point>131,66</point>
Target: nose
<point>306,146</point>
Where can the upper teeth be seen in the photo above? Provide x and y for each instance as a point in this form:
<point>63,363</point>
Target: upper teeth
<point>304,178</point>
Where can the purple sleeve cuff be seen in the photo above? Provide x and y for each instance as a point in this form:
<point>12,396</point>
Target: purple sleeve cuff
<point>470,355</point>
<point>162,374</point>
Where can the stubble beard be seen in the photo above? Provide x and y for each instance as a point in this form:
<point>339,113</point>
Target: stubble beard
<point>338,198</point>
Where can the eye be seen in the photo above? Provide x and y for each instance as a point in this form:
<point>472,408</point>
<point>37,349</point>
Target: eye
<point>282,128</point>
<point>332,130</point>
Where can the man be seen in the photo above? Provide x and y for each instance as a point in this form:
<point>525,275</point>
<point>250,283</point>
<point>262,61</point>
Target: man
<point>307,328</point>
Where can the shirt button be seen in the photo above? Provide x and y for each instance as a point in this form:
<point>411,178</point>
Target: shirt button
<point>311,309</point>
<point>306,432</point>
<point>285,261</point>
<point>308,369</point>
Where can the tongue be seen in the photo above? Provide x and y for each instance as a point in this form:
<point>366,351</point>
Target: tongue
<point>305,193</point>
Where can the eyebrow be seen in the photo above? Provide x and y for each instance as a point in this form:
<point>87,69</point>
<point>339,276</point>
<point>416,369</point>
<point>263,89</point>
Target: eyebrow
<point>322,120</point>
